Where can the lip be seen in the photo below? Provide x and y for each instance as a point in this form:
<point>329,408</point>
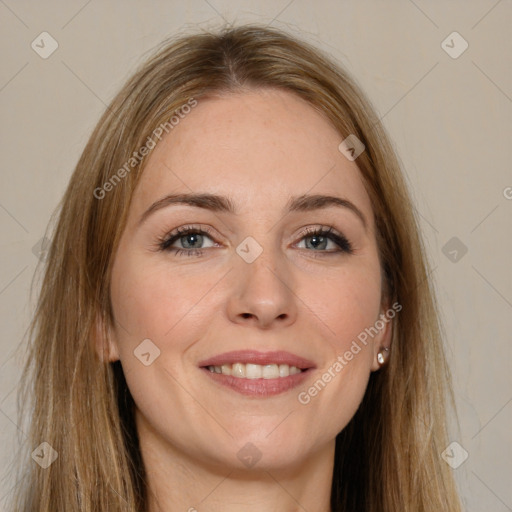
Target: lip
<point>262,358</point>
<point>259,388</point>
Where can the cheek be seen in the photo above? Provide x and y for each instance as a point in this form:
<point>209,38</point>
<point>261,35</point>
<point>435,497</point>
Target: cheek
<point>169,309</point>
<point>346,304</point>
<point>150,302</point>
<point>347,307</point>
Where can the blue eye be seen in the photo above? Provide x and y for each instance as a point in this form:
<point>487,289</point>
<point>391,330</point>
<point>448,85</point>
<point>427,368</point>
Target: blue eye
<point>320,237</point>
<point>190,236</point>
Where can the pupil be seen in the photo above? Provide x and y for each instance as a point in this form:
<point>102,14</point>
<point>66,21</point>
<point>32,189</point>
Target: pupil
<point>319,240</point>
<point>188,238</point>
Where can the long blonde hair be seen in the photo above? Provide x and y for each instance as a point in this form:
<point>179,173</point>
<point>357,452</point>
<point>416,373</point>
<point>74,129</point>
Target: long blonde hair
<point>387,458</point>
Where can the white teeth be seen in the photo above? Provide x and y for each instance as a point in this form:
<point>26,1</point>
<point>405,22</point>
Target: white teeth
<point>255,371</point>
<point>284,370</point>
<point>226,369</point>
<point>238,370</point>
<point>270,371</point>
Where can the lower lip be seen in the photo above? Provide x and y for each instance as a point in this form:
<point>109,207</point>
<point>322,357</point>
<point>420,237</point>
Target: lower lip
<point>259,387</point>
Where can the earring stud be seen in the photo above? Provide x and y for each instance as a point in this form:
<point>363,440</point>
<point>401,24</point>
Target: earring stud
<point>380,356</point>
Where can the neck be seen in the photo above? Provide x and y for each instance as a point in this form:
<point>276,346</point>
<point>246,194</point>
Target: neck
<point>178,482</point>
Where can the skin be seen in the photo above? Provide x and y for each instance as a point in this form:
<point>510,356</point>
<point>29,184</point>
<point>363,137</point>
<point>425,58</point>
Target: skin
<point>259,147</point>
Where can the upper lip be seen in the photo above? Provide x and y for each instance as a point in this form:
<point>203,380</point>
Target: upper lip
<point>261,358</point>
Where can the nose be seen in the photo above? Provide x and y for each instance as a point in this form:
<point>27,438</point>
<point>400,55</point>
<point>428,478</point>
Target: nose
<point>263,293</point>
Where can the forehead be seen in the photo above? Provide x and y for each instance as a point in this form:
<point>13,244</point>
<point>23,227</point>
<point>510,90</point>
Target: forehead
<point>259,147</point>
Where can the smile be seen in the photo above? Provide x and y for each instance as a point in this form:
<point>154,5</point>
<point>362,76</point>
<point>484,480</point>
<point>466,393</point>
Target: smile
<point>257,374</point>
<point>255,371</point>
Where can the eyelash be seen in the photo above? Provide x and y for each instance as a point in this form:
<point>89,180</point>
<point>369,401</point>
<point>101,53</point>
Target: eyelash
<point>165,242</point>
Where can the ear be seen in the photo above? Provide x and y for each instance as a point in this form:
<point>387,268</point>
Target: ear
<point>104,341</point>
<point>382,339</point>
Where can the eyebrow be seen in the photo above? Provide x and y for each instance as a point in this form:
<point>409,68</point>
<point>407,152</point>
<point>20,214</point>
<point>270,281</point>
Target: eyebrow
<point>223,204</point>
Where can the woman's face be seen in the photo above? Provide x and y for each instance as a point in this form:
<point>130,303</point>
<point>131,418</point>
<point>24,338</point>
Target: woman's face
<point>257,294</point>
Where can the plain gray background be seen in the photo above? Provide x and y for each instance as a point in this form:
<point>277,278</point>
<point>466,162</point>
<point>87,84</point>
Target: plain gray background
<point>449,116</point>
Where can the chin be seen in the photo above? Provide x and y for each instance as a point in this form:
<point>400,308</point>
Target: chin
<point>262,449</point>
